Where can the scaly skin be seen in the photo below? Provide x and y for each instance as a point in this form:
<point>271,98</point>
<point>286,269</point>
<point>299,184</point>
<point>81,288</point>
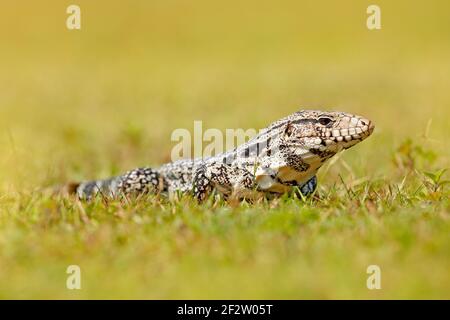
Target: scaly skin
<point>286,154</point>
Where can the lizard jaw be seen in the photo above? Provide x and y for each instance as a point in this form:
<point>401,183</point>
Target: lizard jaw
<point>356,130</point>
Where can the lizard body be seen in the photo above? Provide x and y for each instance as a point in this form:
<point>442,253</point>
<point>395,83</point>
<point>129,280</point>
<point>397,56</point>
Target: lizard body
<point>286,154</point>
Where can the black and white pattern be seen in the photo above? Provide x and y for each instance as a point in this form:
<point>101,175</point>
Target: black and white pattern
<point>286,154</point>
<point>141,180</point>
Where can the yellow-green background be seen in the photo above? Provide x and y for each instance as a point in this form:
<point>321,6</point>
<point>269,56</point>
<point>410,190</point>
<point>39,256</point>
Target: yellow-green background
<point>104,99</point>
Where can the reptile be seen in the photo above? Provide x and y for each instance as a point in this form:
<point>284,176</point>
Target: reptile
<point>284,156</point>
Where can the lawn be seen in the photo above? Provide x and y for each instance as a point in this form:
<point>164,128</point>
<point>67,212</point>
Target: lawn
<point>95,102</point>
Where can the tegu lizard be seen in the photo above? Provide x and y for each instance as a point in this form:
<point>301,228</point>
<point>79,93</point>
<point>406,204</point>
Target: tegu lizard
<point>284,155</point>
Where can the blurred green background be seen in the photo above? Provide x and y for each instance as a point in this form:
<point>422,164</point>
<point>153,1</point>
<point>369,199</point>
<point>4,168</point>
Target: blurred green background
<point>89,103</point>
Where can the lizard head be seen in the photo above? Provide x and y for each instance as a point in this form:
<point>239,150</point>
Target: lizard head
<point>297,145</point>
<point>323,134</point>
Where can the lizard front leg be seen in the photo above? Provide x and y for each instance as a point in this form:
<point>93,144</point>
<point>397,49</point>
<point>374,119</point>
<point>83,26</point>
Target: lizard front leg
<point>309,187</point>
<point>227,179</point>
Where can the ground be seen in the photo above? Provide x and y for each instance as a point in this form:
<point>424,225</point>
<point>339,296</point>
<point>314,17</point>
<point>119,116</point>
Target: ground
<point>104,99</point>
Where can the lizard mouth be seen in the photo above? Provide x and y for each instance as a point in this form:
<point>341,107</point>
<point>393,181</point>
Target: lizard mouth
<point>360,131</point>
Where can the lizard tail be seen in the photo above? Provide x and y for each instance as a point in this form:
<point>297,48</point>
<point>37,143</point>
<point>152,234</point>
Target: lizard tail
<point>134,182</point>
<point>89,189</point>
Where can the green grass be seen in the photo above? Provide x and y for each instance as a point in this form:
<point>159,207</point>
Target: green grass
<point>152,248</point>
<point>94,103</point>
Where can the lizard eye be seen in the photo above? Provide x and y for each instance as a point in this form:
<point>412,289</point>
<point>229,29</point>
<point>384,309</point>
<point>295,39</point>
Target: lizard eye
<point>325,121</point>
